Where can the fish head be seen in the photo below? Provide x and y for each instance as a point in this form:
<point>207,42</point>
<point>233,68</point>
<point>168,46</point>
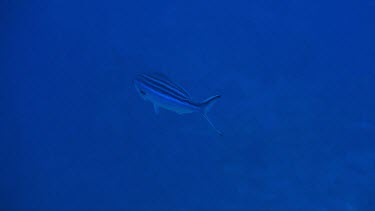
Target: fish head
<point>140,87</point>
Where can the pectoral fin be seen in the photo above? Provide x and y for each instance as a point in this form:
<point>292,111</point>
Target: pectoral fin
<point>156,109</point>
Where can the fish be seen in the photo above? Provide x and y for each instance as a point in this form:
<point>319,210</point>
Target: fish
<point>164,93</point>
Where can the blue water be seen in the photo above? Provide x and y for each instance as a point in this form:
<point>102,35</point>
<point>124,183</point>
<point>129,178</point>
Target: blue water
<point>297,80</point>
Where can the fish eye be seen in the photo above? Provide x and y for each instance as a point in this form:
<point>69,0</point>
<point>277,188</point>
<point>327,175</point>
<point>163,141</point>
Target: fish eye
<point>142,92</point>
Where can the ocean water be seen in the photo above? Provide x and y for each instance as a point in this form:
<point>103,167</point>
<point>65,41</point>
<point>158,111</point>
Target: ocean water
<point>297,81</point>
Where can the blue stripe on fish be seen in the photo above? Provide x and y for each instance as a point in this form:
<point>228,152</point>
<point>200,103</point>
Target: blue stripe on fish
<point>169,85</point>
<point>166,80</point>
<point>166,88</point>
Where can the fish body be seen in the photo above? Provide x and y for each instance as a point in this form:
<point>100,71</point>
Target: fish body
<point>164,93</point>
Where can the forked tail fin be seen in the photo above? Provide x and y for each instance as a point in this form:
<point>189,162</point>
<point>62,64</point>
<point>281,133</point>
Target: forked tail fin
<point>206,106</point>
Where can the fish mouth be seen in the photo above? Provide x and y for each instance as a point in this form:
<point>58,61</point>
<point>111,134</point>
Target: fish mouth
<point>139,88</point>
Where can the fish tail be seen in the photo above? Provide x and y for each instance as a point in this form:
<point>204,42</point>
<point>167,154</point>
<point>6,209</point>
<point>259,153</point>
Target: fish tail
<point>206,106</point>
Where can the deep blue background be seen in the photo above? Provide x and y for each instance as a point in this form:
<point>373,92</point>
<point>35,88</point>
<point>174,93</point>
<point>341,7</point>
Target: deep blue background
<point>297,108</point>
